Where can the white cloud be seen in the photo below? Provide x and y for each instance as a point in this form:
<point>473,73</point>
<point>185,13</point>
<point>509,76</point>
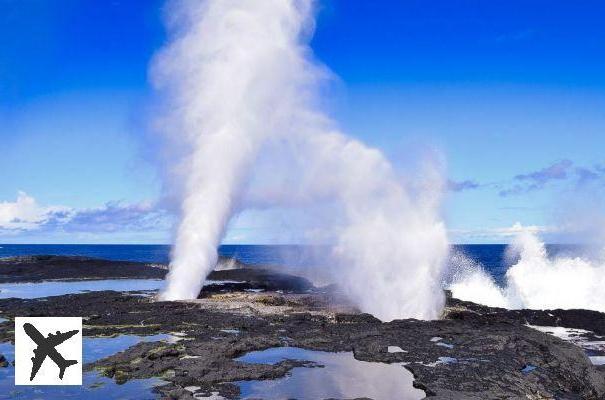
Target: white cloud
<point>26,214</point>
<point>499,233</point>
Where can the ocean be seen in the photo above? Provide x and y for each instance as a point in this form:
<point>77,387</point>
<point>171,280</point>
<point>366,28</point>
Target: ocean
<point>490,256</point>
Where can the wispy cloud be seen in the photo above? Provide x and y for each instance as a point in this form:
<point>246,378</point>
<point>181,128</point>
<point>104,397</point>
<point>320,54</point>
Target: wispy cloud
<point>557,170</point>
<point>25,214</point>
<point>459,186</point>
<point>117,216</point>
<point>586,175</point>
<point>560,170</point>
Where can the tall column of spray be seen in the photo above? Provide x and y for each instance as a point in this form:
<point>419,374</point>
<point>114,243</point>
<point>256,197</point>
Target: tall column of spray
<point>390,243</point>
<point>240,73</point>
<point>232,72</point>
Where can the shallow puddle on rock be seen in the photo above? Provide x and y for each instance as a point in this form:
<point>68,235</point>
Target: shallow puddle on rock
<point>209,282</point>
<point>442,361</point>
<point>94,386</point>
<point>597,360</point>
<point>528,368</point>
<point>34,290</point>
<point>231,331</point>
<point>212,396</point>
<point>100,347</point>
<point>569,334</point>
<point>58,288</point>
<point>341,377</point>
<point>595,349</point>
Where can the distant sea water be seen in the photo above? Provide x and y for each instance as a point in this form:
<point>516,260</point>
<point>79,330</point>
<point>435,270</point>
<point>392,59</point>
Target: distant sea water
<point>250,254</point>
<point>492,257</point>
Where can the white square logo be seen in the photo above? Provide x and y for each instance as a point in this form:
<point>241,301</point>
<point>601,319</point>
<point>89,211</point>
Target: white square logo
<point>48,351</point>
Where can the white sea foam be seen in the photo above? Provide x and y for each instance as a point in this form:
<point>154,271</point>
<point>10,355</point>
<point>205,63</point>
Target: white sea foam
<point>470,282</point>
<point>535,280</point>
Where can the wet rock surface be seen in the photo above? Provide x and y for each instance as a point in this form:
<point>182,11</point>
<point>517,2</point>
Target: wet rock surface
<point>580,319</point>
<point>254,279</point>
<point>474,352</point>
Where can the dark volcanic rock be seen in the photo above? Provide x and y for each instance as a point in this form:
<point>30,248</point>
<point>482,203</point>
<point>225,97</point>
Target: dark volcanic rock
<point>48,267</point>
<point>579,319</point>
<point>242,279</point>
<point>486,357</point>
<point>45,267</point>
<point>3,361</point>
<point>474,352</point>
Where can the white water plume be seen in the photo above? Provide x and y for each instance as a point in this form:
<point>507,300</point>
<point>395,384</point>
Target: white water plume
<point>537,281</point>
<point>241,78</point>
<point>234,72</point>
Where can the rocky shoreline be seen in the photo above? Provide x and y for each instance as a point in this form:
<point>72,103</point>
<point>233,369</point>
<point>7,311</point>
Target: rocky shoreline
<point>473,352</point>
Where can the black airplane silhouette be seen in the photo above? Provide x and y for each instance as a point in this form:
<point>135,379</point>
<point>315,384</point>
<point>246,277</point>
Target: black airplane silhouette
<point>46,347</point>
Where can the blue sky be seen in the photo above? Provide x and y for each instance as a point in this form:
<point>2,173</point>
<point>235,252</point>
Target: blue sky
<point>511,92</point>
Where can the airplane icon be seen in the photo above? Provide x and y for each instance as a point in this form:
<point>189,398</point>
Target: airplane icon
<point>46,347</point>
